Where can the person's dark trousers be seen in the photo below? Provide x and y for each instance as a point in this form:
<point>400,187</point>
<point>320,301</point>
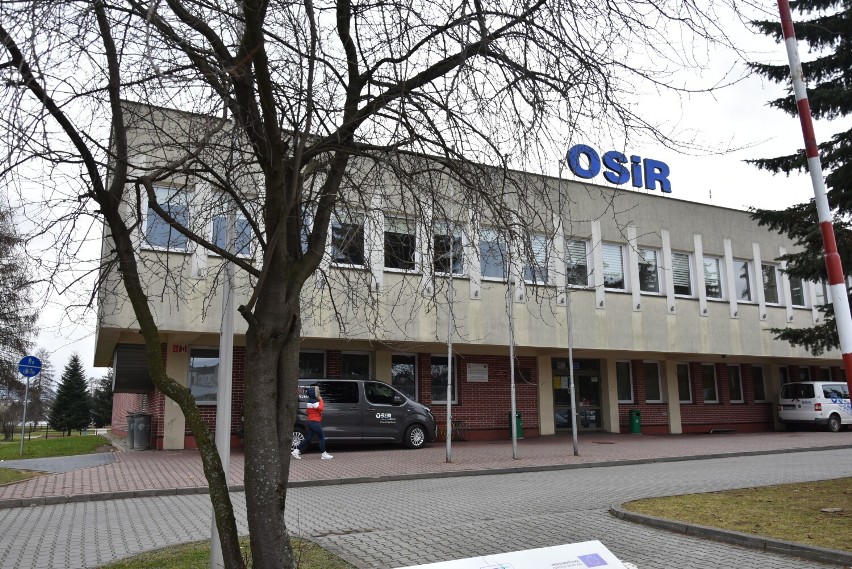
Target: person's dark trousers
<point>314,428</point>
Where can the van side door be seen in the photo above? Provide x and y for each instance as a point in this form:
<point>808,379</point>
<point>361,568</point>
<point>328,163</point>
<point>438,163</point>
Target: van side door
<point>341,417</point>
<point>384,412</point>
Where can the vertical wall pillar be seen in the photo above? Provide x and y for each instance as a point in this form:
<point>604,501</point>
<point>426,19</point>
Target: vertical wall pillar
<point>384,371</point>
<point>174,423</point>
<point>546,424</point>
<point>609,396</point>
<point>673,397</point>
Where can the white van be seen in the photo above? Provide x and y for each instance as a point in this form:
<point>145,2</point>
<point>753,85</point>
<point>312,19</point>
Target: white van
<point>815,403</point>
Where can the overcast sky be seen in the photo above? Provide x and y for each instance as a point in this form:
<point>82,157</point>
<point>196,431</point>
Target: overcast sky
<point>735,117</point>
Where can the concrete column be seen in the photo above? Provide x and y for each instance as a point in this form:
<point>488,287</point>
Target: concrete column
<point>609,396</point>
<point>547,426</point>
<point>384,371</point>
<point>672,397</point>
<point>174,423</point>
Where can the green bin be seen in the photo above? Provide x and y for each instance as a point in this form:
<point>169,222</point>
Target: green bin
<point>635,422</point>
<point>519,426</point>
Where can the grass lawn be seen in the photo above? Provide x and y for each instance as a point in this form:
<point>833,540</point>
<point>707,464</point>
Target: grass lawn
<point>197,555</point>
<point>791,512</point>
<point>44,448</point>
<point>8,475</point>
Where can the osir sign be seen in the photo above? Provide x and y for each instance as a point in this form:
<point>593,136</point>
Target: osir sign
<point>586,163</point>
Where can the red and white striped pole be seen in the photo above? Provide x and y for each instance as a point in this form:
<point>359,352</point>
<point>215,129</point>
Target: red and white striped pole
<point>836,281</point>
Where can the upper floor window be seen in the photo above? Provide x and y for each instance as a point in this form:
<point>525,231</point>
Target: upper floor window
<point>822,293</point>
<point>536,260</point>
<point>449,255</point>
<point>577,269</point>
<point>241,244</point>
<point>649,273</point>
<point>347,241</point>
<point>770,284</point>
<point>713,277</point>
<point>400,244</point>
<point>742,279</point>
<point>160,234</point>
<point>493,259</point>
<point>681,275</point>
<point>613,266</point>
<point>797,291</point>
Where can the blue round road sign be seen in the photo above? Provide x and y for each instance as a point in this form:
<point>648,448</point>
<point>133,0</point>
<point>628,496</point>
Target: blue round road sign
<point>29,366</point>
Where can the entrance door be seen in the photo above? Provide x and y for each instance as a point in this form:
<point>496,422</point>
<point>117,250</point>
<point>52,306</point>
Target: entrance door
<point>587,384</point>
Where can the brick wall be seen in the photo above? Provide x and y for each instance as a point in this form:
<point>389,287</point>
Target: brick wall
<point>485,406</point>
<point>122,404</point>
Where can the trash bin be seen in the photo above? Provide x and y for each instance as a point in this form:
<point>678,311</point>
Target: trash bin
<point>142,428</point>
<point>635,422</point>
<point>131,424</point>
<point>519,426</point>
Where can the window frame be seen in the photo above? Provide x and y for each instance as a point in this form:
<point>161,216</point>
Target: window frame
<point>715,378</point>
<point>641,252</point>
<point>324,363</point>
<point>455,380</point>
<point>618,381</point>
<point>189,374</point>
<point>749,275</point>
<point>244,250</point>
<point>344,355</point>
<point>620,247</point>
<point>662,393</point>
<point>762,374</point>
<point>719,262</point>
<point>539,245</point>
<point>803,287</point>
<point>339,256</point>
<point>392,224</point>
<point>416,396</point>
<point>678,367</point>
<point>167,203</point>
<point>739,383</point>
<point>453,232</point>
<point>497,242</point>
<point>776,286</point>
<point>571,266</point>
<point>688,258</point>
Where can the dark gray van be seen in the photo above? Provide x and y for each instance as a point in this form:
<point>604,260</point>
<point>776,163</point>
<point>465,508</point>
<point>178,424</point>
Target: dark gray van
<point>359,410</point>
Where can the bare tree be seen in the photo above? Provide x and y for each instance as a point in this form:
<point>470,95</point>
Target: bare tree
<point>303,118</point>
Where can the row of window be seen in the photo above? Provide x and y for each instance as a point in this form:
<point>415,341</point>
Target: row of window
<point>402,253</point>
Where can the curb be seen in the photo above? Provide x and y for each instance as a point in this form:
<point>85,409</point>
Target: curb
<point>751,541</point>
<point>194,490</point>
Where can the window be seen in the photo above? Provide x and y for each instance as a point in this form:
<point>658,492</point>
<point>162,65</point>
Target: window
<point>311,365</point>
<point>823,374</point>
<point>613,266</point>
<point>681,274</point>
<point>708,383</point>
<point>404,374</point>
<point>536,260</point>
<point>160,234</point>
<point>204,374</point>
<point>493,259</point>
<point>448,248</point>
<point>784,372</point>
<point>355,366</point>
<point>624,378</point>
<point>347,242</point>
<point>649,274</point>
<point>742,279</point>
<point>653,388</point>
<point>379,393</point>
<point>400,244</point>
<point>440,370</point>
<point>821,293</point>
<point>577,271</point>
<point>797,291</point>
<point>757,380</point>
<point>242,235</point>
<point>684,385</point>
<point>804,373</point>
<point>835,391</point>
<point>712,277</point>
<point>770,284</point>
<point>735,384</point>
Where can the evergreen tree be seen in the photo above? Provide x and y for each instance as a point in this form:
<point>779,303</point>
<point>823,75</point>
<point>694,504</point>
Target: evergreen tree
<point>102,401</point>
<point>42,389</point>
<point>828,32</point>
<point>71,408</point>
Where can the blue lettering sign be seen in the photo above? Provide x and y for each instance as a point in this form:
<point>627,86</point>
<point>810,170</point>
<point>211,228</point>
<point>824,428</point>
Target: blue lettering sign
<point>586,163</point>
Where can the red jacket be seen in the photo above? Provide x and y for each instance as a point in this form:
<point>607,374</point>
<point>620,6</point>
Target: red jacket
<point>314,411</point>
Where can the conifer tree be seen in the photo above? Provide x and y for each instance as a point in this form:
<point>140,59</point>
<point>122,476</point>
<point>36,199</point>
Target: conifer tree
<point>826,27</point>
<point>102,401</point>
<point>71,409</point>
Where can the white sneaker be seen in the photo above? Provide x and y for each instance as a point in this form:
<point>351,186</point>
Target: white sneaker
<point>296,454</point>
<point>326,456</point>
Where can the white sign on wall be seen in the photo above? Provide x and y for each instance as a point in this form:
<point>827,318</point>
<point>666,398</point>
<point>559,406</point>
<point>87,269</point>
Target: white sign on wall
<point>477,372</point>
<point>584,555</point>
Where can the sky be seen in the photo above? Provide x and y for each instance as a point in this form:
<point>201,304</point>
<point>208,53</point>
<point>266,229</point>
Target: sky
<point>736,117</point>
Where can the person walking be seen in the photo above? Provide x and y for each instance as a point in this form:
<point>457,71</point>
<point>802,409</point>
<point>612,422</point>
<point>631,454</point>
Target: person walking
<point>314,425</point>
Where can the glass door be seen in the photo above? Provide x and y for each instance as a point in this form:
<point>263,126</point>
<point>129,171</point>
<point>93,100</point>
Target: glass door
<point>588,395</point>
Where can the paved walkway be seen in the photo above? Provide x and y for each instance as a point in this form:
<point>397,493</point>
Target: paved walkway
<point>147,473</point>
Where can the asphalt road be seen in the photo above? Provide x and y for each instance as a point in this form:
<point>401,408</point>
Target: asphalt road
<point>393,524</point>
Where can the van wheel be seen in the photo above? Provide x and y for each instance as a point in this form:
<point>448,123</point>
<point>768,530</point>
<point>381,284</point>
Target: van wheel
<point>415,436</point>
<point>834,423</point>
<point>298,437</point>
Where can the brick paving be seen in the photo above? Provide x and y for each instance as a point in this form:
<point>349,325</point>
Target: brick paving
<point>147,472</point>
